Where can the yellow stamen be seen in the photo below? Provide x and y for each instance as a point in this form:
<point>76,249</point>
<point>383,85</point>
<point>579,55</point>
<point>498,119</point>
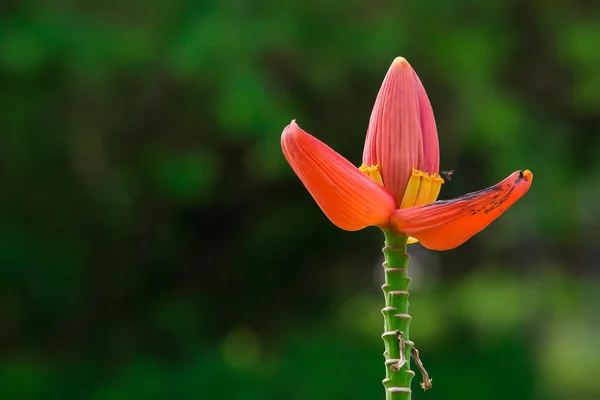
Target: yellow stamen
<point>372,172</point>
<point>412,240</point>
<point>422,189</point>
<point>412,189</point>
<point>436,186</point>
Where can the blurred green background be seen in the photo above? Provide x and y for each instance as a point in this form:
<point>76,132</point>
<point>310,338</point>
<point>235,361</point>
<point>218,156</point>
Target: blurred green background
<point>154,243</point>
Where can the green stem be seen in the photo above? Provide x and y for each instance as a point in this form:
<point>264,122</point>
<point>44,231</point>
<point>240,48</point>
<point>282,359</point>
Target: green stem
<point>398,375</point>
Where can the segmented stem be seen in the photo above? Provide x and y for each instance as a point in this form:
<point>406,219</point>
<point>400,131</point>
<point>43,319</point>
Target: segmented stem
<point>398,375</point>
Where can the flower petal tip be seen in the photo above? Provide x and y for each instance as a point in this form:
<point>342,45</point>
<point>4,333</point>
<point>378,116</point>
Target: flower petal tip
<point>527,175</point>
<point>400,62</point>
<point>290,127</point>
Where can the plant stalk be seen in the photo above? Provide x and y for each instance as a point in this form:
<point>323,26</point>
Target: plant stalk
<point>398,346</point>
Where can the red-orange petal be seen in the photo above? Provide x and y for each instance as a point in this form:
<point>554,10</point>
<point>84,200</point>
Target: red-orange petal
<point>349,198</point>
<point>446,224</point>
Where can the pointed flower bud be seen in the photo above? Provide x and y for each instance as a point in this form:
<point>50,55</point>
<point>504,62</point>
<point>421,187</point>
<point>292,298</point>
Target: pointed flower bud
<point>402,134</point>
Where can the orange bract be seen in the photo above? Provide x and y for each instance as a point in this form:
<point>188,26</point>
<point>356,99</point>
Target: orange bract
<point>447,224</point>
<point>348,197</point>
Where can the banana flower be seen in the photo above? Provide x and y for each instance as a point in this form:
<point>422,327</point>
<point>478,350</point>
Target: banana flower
<point>398,183</point>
